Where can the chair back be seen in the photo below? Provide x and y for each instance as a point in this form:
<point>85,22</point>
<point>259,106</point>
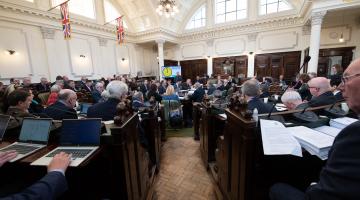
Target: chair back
<point>170,105</point>
<point>44,97</point>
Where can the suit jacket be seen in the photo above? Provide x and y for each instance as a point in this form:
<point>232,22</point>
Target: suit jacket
<point>177,78</point>
<point>326,98</point>
<point>144,88</point>
<point>104,110</point>
<point>51,186</point>
<point>42,88</point>
<point>211,89</point>
<point>59,111</point>
<point>18,116</point>
<point>259,105</point>
<point>198,95</point>
<point>96,96</point>
<point>340,177</point>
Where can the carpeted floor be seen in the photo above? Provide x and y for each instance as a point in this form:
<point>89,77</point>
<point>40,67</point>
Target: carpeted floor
<point>184,132</point>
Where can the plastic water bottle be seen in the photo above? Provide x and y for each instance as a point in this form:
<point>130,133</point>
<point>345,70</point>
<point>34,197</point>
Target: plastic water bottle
<point>255,114</point>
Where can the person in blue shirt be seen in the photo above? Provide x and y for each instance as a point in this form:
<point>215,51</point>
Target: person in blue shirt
<point>170,94</point>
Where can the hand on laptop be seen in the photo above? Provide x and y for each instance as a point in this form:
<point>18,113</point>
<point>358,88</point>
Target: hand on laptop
<point>7,156</point>
<point>60,162</point>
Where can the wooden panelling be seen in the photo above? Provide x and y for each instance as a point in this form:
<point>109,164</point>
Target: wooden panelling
<point>238,65</point>
<point>170,62</point>
<point>275,64</point>
<point>192,68</point>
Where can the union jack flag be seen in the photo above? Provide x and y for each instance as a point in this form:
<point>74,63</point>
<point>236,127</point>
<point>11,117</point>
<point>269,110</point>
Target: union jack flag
<point>120,33</point>
<point>65,20</point>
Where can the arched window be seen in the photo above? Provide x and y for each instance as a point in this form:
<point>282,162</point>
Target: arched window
<point>80,7</point>
<point>111,13</point>
<point>198,19</point>
<point>273,6</point>
<point>230,10</point>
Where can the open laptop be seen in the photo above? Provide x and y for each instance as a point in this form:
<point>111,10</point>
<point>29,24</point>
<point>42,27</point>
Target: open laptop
<point>34,136</point>
<point>4,121</point>
<point>84,108</point>
<point>80,137</point>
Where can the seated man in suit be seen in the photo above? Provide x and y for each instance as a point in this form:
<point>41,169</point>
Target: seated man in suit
<point>63,108</point>
<point>292,100</point>
<point>43,86</point>
<point>51,186</point>
<point>321,92</point>
<point>251,91</point>
<point>144,88</point>
<point>138,101</point>
<point>107,110</point>
<point>340,177</point>
<point>198,94</point>
<point>96,94</point>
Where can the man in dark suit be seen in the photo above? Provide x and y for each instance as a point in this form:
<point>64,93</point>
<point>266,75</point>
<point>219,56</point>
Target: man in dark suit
<point>96,94</point>
<point>63,108</point>
<point>51,186</point>
<point>321,92</point>
<point>43,86</point>
<point>198,94</point>
<point>144,88</point>
<point>340,177</point>
<point>251,91</point>
<point>107,110</point>
<point>88,86</point>
<point>177,77</point>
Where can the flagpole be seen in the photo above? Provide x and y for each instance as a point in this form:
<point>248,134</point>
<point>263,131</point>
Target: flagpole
<point>58,5</point>
<point>113,20</point>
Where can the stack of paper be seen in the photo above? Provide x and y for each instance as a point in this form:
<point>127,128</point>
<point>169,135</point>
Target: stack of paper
<point>277,140</point>
<point>341,123</point>
<point>315,142</point>
<point>329,130</point>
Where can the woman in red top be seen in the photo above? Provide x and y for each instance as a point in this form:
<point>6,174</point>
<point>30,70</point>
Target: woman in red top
<point>55,89</point>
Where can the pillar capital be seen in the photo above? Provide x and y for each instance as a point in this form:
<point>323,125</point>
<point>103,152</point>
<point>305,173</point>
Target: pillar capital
<point>252,37</point>
<point>47,33</point>
<point>317,17</point>
<point>160,41</point>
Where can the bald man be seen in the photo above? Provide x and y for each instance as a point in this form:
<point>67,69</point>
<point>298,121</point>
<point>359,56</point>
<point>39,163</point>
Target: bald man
<point>321,91</point>
<point>63,108</point>
<point>340,177</point>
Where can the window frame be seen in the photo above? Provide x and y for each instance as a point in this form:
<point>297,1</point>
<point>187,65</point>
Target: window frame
<point>76,15</point>
<point>113,23</point>
<point>203,6</point>
<point>236,11</point>
<point>273,13</point>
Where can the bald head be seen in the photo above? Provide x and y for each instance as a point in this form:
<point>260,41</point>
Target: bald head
<point>68,97</point>
<point>319,85</point>
<point>350,87</point>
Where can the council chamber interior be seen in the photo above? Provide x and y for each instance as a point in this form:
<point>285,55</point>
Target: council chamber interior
<point>179,99</point>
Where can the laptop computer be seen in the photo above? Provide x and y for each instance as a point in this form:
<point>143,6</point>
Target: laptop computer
<point>34,135</point>
<point>80,137</point>
<point>4,121</point>
<point>84,108</point>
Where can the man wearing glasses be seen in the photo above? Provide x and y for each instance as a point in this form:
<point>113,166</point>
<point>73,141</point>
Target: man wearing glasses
<point>340,177</point>
<point>321,91</point>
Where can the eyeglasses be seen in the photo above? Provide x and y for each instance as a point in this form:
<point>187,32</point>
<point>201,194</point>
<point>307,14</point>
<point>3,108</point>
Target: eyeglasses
<point>347,78</point>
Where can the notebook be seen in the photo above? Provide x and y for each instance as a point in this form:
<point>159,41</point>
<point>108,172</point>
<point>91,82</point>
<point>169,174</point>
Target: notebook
<point>80,137</point>
<point>34,136</point>
<point>4,121</point>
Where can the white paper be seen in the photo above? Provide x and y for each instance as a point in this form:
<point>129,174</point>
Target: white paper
<point>314,138</point>
<point>332,131</point>
<point>223,115</point>
<point>277,140</point>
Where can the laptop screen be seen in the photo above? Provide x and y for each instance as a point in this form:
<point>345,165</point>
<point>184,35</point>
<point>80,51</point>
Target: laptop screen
<point>80,132</point>
<point>35,130</point>
<point>4,120</point>
<point>84,108</point>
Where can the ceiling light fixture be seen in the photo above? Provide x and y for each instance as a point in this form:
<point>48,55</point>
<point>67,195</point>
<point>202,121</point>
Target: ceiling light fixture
<point>10,52</point>
<point>167,8</point>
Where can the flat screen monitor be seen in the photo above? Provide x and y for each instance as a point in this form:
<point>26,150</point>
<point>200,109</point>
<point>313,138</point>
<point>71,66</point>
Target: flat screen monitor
<point>170,71</point>
<point>35,130</point>
<point>80,132</point>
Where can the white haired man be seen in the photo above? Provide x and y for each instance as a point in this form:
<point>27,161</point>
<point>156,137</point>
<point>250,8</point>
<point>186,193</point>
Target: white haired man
<point>107,110</point>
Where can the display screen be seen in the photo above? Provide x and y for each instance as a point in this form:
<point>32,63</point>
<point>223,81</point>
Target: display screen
<point>80,132</point>
<point>170,71</point>
<point>35,130</point>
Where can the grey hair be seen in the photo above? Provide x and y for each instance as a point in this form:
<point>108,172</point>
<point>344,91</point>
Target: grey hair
<point>65,94</point>
<point>197,85</point>
<point>217,93</point>
<point>251,88</point>
<point>117,89</point>
<point>290,96</point>
<point>138,96</point>
<point>98,84</point>
<point>55,88</point>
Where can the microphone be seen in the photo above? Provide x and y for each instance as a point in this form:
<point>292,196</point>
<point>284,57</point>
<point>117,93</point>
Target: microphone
<point>306,60</point>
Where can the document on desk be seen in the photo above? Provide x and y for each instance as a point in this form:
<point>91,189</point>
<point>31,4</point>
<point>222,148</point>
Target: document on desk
<point>277,140</point>
<point>312,137</point>
<point>332,131</point>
